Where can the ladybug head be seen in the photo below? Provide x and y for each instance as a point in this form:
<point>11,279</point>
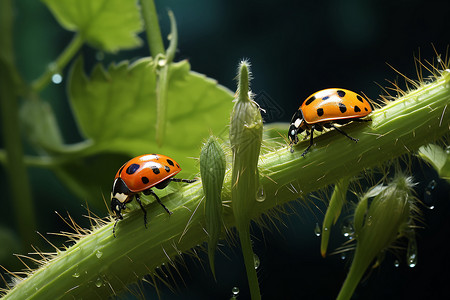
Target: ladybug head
<point>296,127</point>
<point>119,196</point>
<point>116,208</point>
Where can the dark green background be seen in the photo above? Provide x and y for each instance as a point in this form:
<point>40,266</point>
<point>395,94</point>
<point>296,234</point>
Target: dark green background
<point>296,48</point>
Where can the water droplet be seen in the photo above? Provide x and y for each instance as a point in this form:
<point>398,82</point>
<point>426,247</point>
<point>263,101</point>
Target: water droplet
<point>162,62</point>
<point>428,197</point>
<point>57,78</point>
<point>347,229</point>
<point>98,254</point>
<point>369,221</point>
<point>317,230</point>
<point>76,275</point>
<point>260,195</point>
<point>235,291</point>
<point>256,261</point>
<point>343,255</point>
<point>396,263</point>
<point>411,253</point>
<point>98,282</point>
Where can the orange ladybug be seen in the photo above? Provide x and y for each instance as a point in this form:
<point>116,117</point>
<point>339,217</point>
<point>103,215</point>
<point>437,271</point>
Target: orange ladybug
<point>324,109</point>
<point>140,174</point>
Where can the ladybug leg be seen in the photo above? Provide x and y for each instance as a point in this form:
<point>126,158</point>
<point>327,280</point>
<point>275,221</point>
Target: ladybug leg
<point>183,180</point>
<point>150,192</point>
<point>138,199</point>
<point>306,136</point>
<point>114,228</point>
<point>311,141</point>
<point>343,132</point>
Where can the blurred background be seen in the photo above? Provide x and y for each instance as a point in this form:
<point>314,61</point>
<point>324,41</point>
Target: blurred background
<point>295,48</point>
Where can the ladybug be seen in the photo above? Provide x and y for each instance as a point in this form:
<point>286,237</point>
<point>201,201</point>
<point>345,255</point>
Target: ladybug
<point>326,108</point>
<point>141,174</point>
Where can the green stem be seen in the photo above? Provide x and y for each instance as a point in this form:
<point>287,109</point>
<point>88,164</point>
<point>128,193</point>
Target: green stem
<point>155,41</point>
<point>9,90</point>
<point>359,266</point>
<point>59,64</point>
<point>161,104</point>
<point>249,260</point>
<point>163,83</point>
<point>172,49</point>
<point>101,265</point>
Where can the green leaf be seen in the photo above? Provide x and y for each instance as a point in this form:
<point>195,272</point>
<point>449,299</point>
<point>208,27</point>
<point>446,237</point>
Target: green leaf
<point>110,25</point>
<point>337,201</point>
<point>90,178</point>
<point>116,109</point>
<point>438,158</point>
<point>40,125</point>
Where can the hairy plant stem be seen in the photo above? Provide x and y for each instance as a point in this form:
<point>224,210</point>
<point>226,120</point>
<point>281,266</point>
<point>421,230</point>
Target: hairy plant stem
<point>99,264</point>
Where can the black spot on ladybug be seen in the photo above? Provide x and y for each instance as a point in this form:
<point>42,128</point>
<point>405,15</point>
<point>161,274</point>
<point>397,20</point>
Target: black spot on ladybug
<point>340,93</point>
<point>132,169</point>
<point>178,166</point>
<point>326,98</point>
<point>308,102</point>
<point>342,107</point>
<point>357,109</point>
<point>167,169</point>
<point>145,180</point>
<point>359,98</point>
<point>320,112</point>
<point>170,162</point>
<point>155,170</point>
<point>365,108</point>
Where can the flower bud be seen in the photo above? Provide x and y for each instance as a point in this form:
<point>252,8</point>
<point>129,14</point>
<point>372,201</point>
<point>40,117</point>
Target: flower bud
<point>246,130</point>
<point>212,170</point>
<point>378,225</point>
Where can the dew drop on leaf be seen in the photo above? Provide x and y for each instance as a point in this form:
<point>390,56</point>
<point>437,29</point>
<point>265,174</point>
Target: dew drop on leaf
<point>235,291</point>
<point>411,253</point>
<point>428,195</point>
<point>260,195</point>
<point>317,230</point>
<point>256,261</point>
<point>57,78</point>
<point>347,229</point>
<point>98,282</point>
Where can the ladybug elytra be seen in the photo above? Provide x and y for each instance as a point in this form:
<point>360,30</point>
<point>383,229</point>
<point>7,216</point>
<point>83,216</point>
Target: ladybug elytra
<point>324,109</point>
<point>141,174</point>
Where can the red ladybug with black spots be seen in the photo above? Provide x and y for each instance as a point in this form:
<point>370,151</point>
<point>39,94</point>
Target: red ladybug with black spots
<point>324,109</point>
<point>141,174</point>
